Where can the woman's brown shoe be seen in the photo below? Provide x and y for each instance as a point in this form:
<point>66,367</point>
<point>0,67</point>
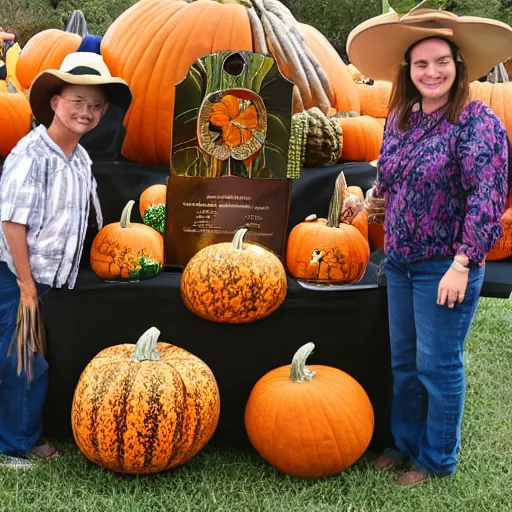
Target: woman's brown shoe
<point>387,462</point>
<point>44,451</point>
<point>412,477</point>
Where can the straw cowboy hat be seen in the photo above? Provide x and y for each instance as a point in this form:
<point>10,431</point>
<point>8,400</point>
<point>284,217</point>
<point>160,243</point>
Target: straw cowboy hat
<point>377,46</point>
<point>79,68</point>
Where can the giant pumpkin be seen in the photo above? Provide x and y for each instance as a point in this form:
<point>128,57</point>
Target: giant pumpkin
<point>153,44</point>
<point>309,422</point>
<point>331,251</point>
<point>144,408</point>
<point>234,282</point>
<point>127,250</point>
<point>45,50</point>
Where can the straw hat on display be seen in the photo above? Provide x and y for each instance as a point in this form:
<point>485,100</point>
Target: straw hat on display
<point>79,68</point>
<point>377,46</point>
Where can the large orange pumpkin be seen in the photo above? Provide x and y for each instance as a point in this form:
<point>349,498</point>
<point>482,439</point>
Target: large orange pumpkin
<point>309,422</point>
<point>153,44</point>
<point>152,206</point>
<point>127,250</point>
<point>234,282</point>
<point>15,111</point>
<point>503,248</point>
<point>496,96</point>
<point>328,250</point>
<point>45,50</point>
<point>362,138</point>
<point>144,408</point>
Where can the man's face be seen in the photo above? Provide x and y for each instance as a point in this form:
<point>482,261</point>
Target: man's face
<point>79,108</point>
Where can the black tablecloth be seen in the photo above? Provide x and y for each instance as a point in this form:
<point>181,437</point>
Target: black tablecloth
<point>349,329</point>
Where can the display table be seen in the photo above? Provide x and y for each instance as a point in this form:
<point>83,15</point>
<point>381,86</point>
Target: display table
<point>349,329</point>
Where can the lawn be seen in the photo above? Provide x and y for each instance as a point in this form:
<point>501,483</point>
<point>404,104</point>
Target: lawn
<point>219,479</point>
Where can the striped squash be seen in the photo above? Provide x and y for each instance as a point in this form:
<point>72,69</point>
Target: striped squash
<point>144,408</point>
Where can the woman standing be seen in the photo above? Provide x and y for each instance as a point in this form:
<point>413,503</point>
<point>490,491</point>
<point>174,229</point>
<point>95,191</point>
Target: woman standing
<point>443,175</point>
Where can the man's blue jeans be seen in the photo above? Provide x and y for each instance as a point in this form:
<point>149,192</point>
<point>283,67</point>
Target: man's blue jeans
<point>427,357</point>
<point>21,404</point>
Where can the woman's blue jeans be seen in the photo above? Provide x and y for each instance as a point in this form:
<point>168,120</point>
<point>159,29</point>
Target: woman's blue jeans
<point>427,357</point>
<point>21,404</point>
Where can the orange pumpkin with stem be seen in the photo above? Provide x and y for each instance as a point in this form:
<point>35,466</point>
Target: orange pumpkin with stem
<point>127,250</point>
<point>234,282</point>
<point>362,138</point>
<point>328,250</point>
<point>144,408</point>
<point>152,206</point>
<point>309,422</point>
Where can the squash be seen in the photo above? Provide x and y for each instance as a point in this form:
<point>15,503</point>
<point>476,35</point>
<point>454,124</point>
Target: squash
<point>152,206</point>
<point>45,50</point>
<point>309,422</point>
<point>127,251</point>
<point>153,44</point>
<point>328,250</point>
<point>234,282</point>
<point>144,408</point>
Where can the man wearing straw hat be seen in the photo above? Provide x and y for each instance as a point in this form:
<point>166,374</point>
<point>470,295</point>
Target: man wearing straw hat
<point>45,192</point>
<point>443,176</point>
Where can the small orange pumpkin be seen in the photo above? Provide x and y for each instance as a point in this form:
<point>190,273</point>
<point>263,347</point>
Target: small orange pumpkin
<point>127,251</point>
<point>234,282</point>
<point>503,248</point>
<point>152,206</point>
<point>45,50</point>
<point>309,422</point>
<point>361,219</point>
<point>328,250</point>
<point>144,408</point>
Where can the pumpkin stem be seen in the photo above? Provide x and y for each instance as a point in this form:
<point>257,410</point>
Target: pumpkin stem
<point>238,239</point>
<point>127,212</point>
<point>146,348</point>
<point>333,218</point>
<point>299,371</point>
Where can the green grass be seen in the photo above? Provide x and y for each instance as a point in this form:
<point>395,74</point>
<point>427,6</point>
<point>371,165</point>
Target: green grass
<point>226,480</point>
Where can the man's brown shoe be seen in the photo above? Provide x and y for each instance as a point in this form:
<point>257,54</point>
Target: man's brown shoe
<point>44,451</point>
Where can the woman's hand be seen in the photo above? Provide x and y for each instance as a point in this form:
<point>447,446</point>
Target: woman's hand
<point>452,288</point>
<point>375,206</point>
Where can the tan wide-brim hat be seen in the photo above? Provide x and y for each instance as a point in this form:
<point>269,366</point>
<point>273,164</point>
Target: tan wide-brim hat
<point>377,46</point>
<point>78,68</point>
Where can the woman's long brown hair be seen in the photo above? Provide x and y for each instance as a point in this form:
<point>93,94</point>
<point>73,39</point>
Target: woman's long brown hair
<point>404,94</point>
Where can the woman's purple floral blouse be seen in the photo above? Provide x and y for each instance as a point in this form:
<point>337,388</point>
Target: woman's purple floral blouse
<point>445,185</point>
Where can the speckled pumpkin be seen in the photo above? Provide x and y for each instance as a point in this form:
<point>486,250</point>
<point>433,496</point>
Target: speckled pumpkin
<point>309,422</point>
<point>144,408</point>
<point>127,250</point>
<point>152,206</point>
<point>234,282</point>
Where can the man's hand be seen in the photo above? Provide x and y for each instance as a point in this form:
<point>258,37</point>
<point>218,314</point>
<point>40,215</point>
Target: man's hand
<point>28,293</point>
<point>375,206</point>
<point>6,36</point>
<point>452,288</point>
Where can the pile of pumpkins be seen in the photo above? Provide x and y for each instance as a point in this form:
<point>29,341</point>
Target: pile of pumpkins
<point>149,407</point>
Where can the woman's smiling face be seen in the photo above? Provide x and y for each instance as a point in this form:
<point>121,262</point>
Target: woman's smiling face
<point>433,71</point>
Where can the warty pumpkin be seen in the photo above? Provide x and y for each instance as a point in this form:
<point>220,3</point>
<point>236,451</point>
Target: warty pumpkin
<point>234,282</point>
<point>15,111</point>
<point>144,408</point>
<point>309,422</point>
<point>45,50</point>
<point>153,43</point>
<point>127,251</point>
<point>152,206</point>
<point>328,250</point>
